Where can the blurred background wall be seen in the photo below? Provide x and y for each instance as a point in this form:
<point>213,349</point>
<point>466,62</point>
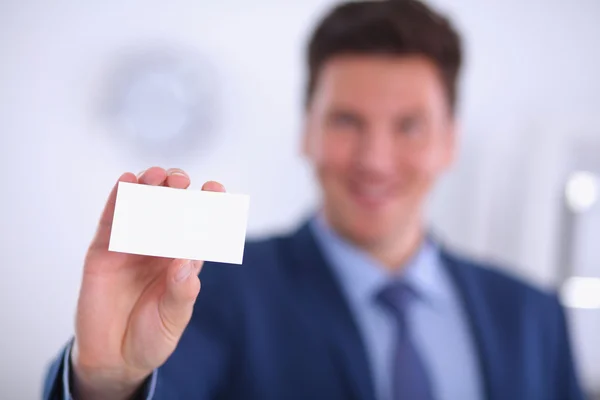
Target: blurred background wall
<point>529,113</point>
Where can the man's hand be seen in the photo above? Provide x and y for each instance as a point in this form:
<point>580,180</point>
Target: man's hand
<point>132,309</point>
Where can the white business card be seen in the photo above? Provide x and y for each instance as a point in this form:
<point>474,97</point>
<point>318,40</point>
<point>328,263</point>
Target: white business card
<point>176,223</point>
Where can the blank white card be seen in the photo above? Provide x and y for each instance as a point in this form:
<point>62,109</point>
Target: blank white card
<point>189,224</point>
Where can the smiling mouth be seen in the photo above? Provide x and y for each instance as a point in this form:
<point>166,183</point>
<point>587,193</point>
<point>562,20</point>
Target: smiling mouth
<point>370,195</point>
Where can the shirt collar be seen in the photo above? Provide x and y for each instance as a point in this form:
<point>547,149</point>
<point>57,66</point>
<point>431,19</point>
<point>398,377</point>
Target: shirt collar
<point>362,277</point>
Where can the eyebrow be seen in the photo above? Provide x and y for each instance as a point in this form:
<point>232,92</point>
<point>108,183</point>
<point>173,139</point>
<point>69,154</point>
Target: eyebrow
<point>337,111</point>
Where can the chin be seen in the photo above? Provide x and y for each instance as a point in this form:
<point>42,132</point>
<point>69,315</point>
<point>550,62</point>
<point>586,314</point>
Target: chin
<point>367,231</point>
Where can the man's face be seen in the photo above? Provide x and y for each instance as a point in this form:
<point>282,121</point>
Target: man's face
<point>379,132</point>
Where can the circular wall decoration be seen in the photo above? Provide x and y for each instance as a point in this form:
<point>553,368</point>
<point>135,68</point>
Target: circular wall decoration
<point>162,100</point>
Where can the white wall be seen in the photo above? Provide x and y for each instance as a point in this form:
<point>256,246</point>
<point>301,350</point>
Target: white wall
<point>531,90</point>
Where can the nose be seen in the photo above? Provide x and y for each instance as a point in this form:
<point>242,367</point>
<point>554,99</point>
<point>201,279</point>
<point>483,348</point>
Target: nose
<point>375,152</point>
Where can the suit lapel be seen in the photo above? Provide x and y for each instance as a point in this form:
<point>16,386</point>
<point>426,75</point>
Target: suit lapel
<point>326,309</point>
<point>485,335</point>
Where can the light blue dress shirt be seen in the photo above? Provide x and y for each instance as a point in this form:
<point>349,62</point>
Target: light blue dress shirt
<point>437,320</point>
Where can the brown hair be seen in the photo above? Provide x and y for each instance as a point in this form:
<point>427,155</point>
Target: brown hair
<point>389,27</point>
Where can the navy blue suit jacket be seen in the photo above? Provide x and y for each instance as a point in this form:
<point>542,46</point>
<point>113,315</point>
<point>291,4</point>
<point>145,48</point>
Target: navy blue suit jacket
<point>278,327</point>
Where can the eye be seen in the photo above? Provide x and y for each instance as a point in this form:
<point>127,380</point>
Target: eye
<point>344,120</point>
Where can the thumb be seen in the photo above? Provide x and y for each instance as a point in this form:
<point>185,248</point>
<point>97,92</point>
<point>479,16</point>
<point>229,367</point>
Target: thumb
<point>177,303</point>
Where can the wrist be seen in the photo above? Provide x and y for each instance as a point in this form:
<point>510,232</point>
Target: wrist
<point>92,383</point>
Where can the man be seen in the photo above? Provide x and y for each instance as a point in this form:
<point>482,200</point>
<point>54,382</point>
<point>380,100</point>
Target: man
<point>360,302</point>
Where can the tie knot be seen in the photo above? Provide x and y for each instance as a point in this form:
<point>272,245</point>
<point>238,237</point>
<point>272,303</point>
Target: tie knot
<point>396,297</point>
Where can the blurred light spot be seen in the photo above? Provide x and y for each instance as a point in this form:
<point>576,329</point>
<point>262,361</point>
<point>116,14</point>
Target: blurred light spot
<point>581,292</point>
<point>581,191</point>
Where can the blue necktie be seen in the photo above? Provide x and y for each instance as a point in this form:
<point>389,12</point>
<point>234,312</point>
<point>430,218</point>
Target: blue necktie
<point>409,377</point>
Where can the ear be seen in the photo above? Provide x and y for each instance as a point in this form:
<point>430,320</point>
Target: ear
<point>451,145</point>
<point>306,145</point>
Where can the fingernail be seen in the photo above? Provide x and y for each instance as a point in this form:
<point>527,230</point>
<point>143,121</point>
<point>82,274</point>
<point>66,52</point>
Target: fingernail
<point>184,271</point>
<point>177,173</point>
